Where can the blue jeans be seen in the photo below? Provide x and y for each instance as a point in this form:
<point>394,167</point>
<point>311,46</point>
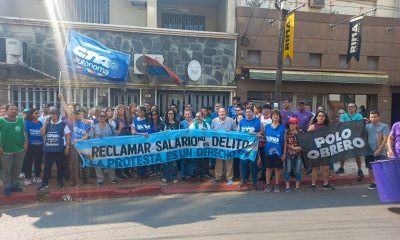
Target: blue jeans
<point>187,167</point>
<point>244,172</point>
<point>293,162</point>
<point>169,171</point>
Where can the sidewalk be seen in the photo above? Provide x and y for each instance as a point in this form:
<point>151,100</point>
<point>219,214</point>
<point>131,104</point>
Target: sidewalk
<point>154,186</point>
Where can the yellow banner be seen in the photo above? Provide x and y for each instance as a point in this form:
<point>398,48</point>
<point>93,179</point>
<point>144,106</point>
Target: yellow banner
<point>288,44</point>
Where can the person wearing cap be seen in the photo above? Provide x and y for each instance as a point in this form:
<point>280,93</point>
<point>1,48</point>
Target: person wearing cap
<point>286,111</point>
<point>293,153</point>
<point>303,115</point>
<point>351,115</point>
<point>54,131</point>
<point>321,121</point>
<point>14,143</point>
<point>45,113</point>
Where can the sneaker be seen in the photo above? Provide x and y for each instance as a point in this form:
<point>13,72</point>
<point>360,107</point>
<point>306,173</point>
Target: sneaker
<point>372,186</point>
<point>277,189</point>
<point>175,181</point>
<point>242,183</point>
<point>360,173</point>
<point>37,180</point>
<point>164,180</point>
<point>328,187</point>
<point>114,181</point>
<point>230,182</point>
<point>340,171</point>
<point>7,192</point>
<point>60,185</point>
<point>298,189</point>
<point>100,184</point>
<point>215,181</point>
<point>27,181</point>
<point>309,171</point>
<point>21,175</point>
<point>288,190</point>
<point>43,187</point>
<point>313,187</point>
<point>254,187</point>
<point>268,188</point>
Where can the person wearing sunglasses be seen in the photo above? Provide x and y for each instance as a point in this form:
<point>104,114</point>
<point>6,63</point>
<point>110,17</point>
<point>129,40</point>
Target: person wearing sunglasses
<point>103,129</point>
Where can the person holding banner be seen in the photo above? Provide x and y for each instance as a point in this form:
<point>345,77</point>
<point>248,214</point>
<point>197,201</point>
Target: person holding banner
<point>321,121</point>
<point>141,126</point>
<point>201,168</point>
<point>122,121</point>
<point>378,133</point>
<point>170,168</point>
<point>251,125</point>
<point>393,142</point>
<point>223,123</point>
<point>102,129</point>
<point>158,126</point>
<point>294,153</point>
<point>187,164</point>
<point>54,131</point>
<point>275,148</point>
<point>351,115</point>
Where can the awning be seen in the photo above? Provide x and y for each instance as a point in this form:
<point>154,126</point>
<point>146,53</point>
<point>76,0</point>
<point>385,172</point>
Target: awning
<point>323,77</point>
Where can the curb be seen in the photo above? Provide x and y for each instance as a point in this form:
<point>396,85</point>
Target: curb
<point>80,194</point>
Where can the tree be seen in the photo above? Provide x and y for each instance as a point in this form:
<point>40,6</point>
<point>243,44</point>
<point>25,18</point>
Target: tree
<point>254,3</point>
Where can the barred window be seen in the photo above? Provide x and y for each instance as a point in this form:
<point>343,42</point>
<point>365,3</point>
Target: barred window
<point>183,22</point>
<point>88,11</point>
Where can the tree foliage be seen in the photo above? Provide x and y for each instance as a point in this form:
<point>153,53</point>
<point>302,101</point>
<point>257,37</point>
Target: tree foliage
<point>254,3</point>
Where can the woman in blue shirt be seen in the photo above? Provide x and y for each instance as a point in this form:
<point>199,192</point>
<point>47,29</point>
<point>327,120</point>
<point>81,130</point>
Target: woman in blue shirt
<point>275,150</point>
<point>34,152</point>
<point>141,126</point>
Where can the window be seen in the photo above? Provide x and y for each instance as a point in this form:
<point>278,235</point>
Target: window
<point>342,62</point>
<point>33,97</point>
<point>183,22</point>
<point>315,60</point>
<point>372,62</point>
<point>253,57</point>
<point>93,11</point>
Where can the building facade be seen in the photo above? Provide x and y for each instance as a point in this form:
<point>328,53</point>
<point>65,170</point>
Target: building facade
<point>319,73</point>
<point>176,31</point>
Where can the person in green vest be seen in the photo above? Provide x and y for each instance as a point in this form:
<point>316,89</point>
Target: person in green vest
<point>14,143</point>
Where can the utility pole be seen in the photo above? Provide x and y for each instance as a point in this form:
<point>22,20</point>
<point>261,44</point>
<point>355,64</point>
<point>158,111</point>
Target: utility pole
<point>283,13</point>
<point>279,69</point>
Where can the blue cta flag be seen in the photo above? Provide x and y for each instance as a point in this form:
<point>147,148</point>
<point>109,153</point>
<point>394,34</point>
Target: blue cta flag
<point>87,56</point>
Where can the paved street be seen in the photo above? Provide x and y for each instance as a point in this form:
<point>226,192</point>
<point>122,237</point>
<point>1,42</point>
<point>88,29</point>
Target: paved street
<point>341,214</point>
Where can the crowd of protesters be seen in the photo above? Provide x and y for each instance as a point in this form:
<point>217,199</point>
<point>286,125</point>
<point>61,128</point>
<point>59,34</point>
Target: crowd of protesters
<point>49,136</point>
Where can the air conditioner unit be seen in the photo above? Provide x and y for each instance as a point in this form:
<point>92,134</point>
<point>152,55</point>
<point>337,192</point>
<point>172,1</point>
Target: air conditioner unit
<point>13,50</point>
<point>138,62</point>
<point>138,2</point>
<point>316,3</point>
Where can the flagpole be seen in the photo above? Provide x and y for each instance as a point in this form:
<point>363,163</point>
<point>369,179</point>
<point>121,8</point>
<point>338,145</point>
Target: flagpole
<point>63,59</point>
